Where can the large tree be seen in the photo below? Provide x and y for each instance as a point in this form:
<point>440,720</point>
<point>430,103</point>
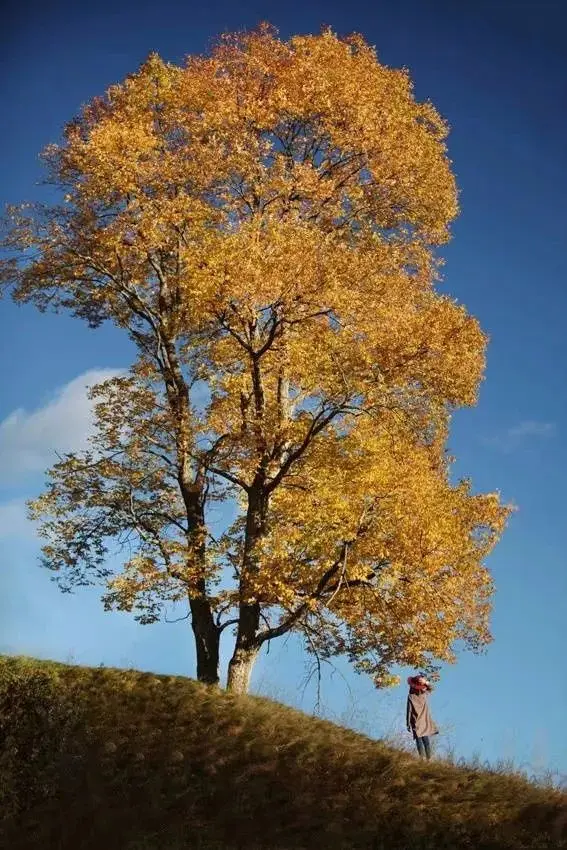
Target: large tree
<point>263,222</point>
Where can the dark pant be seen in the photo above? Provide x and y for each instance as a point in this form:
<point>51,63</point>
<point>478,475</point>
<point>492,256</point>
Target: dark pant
<point>423,747</point>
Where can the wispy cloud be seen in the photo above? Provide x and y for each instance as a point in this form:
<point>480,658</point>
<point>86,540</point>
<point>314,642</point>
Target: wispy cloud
<point>519,435</point>
<point>30,439</point>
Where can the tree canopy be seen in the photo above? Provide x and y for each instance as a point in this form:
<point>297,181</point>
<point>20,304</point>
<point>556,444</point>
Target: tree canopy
<point>264,223</point>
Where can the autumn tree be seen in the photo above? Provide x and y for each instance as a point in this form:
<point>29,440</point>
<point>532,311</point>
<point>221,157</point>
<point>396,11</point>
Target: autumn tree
<point>263,223</point>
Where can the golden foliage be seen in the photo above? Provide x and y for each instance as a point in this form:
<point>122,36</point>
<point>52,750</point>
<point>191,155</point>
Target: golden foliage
<point>263,222</point>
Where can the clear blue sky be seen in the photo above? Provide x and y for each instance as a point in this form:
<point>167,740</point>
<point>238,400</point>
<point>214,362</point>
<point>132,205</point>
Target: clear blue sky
<point>496,72</point>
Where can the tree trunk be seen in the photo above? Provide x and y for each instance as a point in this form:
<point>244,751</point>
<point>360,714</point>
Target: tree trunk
<point>240,670</point>
<point>246,649</point>
<point>207,639</point>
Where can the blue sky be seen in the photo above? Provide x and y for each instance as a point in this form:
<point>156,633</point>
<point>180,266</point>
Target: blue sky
<point>496,72</point>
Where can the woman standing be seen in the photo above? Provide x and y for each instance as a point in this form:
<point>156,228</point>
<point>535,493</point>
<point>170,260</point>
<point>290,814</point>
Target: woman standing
<point>418,716</point>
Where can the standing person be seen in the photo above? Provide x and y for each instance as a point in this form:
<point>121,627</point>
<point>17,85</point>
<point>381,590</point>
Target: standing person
<point>418,716</point>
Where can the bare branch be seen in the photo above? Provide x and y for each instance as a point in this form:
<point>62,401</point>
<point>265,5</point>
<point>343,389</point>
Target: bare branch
<point>223,626</point>
<point>178,619</point>
<point>229,477</point>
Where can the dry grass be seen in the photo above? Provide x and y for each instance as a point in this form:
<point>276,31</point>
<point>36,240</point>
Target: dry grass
<point>99,758</point>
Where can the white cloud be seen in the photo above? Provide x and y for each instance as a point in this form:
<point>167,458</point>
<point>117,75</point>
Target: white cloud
<point>29,440</point>
<point>516,436</point>
<point>531,428</point>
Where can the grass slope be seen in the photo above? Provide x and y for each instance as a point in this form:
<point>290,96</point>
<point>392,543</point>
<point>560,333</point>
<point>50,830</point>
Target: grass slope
<point>100,758</point>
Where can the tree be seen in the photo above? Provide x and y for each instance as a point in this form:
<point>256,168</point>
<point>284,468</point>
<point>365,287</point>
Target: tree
<point>263,223</point>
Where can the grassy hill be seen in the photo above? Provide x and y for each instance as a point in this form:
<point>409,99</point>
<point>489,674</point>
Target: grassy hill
<point>99,758</point>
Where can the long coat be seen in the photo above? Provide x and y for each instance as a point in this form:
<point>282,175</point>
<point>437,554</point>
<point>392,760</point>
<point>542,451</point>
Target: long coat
<point>418,716</point>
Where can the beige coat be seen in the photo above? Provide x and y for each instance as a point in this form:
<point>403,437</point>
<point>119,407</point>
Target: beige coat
<point>418,716</point>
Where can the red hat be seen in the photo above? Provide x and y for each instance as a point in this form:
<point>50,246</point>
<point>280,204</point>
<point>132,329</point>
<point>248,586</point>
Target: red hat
<point>416,685</point>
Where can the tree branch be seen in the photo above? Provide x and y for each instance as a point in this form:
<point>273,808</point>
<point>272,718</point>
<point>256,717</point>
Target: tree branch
<point>319,422</point>
<point>223,626</point>
<point>229,477</point>
<point>178,619</point>
<point>221,317</point>
<point>286,625</point>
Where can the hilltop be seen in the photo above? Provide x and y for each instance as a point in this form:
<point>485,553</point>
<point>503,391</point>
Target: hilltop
<point>103,758</point>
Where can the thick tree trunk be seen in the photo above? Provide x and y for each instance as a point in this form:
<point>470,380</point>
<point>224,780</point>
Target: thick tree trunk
<point>246,649</point>
<point>240,670</point>
<point>207,639</point>
<point>191,486</point>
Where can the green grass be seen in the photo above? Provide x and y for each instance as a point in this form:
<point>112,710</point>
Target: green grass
<point>102,759</point>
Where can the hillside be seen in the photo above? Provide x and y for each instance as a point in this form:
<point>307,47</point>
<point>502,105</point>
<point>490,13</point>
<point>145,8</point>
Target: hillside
<point>99,758</point>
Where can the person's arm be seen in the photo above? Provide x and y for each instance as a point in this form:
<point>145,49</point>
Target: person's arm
<point>408,716</point>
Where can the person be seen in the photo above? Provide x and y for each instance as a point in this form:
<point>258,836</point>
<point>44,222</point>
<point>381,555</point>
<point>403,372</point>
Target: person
<point>418,716</point>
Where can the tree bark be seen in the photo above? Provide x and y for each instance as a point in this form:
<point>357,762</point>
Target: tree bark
<point>247,647</point>
<point>240,670</point>
<point>207,640</point>
<point>191,483</point>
